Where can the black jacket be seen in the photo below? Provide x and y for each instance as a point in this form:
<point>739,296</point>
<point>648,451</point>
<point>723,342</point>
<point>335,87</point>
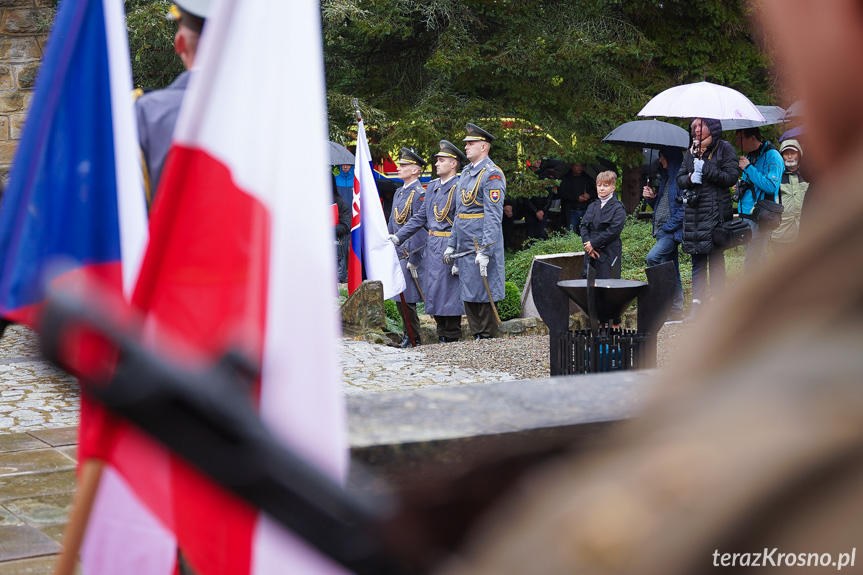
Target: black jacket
<point>572,186</point>
<point>343,228</point>
<point>601,227</point>
<point>713,204</point>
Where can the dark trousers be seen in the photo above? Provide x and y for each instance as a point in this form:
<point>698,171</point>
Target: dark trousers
<point>344,245</point>
<point>480,317</point>
<point>700,262</point>
<point>535,227</point>
<point>413,318</point>
<point>448,326</point>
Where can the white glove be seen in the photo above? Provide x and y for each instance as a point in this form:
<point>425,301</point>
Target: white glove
<point>698,165</point>
<point>455,270</point>
<point>482,262</point>
<point>394,239</point>
<point>413,269</point>
<point>446,255</point>
<point>695,177</point>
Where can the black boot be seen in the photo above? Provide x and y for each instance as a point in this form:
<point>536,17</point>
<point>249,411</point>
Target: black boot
<point>406,342</point>
<point>441,339</point>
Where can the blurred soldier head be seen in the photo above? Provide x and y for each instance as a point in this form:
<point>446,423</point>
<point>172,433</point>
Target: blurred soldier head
<point>190,16</point>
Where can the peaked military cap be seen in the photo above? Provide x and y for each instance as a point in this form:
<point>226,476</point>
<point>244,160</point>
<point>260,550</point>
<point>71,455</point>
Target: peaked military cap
<point>475,133</point>
<point>410,157</point>
<point>449,150</point>
<point>193,13</point>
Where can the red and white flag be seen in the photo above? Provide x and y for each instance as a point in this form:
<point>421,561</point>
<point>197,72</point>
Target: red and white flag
<point>241,256</point>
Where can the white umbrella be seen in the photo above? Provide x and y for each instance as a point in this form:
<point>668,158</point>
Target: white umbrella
<point>702,100</point>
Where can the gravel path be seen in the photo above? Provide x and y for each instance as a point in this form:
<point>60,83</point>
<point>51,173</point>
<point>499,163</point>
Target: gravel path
<point>527,356</point>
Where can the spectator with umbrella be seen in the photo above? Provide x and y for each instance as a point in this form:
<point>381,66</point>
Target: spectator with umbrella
<point>710,167</point>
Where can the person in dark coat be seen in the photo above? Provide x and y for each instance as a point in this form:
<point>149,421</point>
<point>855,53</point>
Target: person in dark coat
<point>709,169</point>
<point>667,221</point>
<point>600,229</point>
<point>576,191</point>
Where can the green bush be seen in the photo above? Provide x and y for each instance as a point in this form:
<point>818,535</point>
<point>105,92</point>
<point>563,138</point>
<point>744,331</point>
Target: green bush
<point>518,263</point>
<point>510,306</point>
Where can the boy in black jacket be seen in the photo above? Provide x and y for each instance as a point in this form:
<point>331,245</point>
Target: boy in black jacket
<point>601,227</point>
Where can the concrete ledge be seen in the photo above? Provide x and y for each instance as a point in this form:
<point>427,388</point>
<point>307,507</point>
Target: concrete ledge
<point>412,438</point>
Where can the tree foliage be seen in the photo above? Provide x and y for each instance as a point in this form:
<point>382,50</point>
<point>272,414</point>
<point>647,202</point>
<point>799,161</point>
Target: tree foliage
<point>151,43</point>
<point>549,77</point>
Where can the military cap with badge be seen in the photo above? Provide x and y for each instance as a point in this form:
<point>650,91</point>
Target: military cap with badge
<point>449,150</point>
<point>475,134</point>
<point>192,13</point>
<point>408,156</point>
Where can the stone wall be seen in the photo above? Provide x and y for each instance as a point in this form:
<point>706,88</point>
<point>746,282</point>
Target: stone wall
<point>24,26</point>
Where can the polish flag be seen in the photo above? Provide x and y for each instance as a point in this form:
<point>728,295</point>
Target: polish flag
<point>241,257</point>
<point>370,246</point>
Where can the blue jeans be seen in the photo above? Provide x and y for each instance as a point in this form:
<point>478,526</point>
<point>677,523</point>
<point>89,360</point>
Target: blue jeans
<point>700,262</point>
<point>575,219</point>
<point>665,250</point>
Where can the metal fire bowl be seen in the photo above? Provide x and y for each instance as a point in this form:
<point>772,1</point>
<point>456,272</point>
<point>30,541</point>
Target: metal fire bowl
<point>612,296</point>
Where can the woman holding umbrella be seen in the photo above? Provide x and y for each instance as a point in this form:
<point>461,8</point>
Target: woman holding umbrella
<point>709,169</point>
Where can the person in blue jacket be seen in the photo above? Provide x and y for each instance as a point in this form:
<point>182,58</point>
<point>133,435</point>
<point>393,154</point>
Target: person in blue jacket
<point>345,188</point>
<point>762,174</point>
<point>667,221</point>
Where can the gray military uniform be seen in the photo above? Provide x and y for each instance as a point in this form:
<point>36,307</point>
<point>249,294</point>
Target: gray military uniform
<point>479,211</point>
<point>437,216</point>
<point>157,115</point>
<point>408,201</point>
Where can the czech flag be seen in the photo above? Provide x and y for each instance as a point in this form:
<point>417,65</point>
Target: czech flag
<point>75,202</point>
<point>370,246</point>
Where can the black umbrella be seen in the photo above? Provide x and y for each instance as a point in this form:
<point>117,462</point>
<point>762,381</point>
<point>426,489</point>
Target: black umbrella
<point>340,155</point>
<point>648,134</point>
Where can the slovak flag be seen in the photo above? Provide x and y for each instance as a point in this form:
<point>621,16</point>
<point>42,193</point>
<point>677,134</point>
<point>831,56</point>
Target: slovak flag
<point>370,246</point>
<point>241,257</point>
<point>75,202</point>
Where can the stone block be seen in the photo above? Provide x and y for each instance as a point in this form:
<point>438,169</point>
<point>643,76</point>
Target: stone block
<point>23,541</point>
<point>58,436</point>
<point>19,442</point>
<point>17,49</point>
<point>26,75</point>
<point>4,128</point>
<point>524,326</point>
<point>16,125</point>
<point>32,21</point>
<point>364,309</point>
<point>42,511</point>
<point>22,3</point>
<point>37,484</point>
<point>7,152</point>
<point>6,80</point>
<point>13,102</point>
<point>19,462</point>
<point>46,3</point>
<point>35,566</point>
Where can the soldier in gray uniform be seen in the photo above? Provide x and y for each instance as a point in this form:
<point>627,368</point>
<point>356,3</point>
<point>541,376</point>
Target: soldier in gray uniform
<point>157,111</point>
<point>407,201</point>
<point>479,210</point>
<point>442,294</point>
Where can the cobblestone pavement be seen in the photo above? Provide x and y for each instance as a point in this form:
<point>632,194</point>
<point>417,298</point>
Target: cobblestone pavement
<point>34,395</point>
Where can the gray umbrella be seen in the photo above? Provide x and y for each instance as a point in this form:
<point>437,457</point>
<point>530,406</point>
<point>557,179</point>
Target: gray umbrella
<point>340,155</point>
<point>795,110</point>
<point>772,115</point>
<point>648,134</point>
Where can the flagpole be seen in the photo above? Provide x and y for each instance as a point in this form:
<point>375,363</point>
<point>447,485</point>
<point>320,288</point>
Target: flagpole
<point>73,534</point>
